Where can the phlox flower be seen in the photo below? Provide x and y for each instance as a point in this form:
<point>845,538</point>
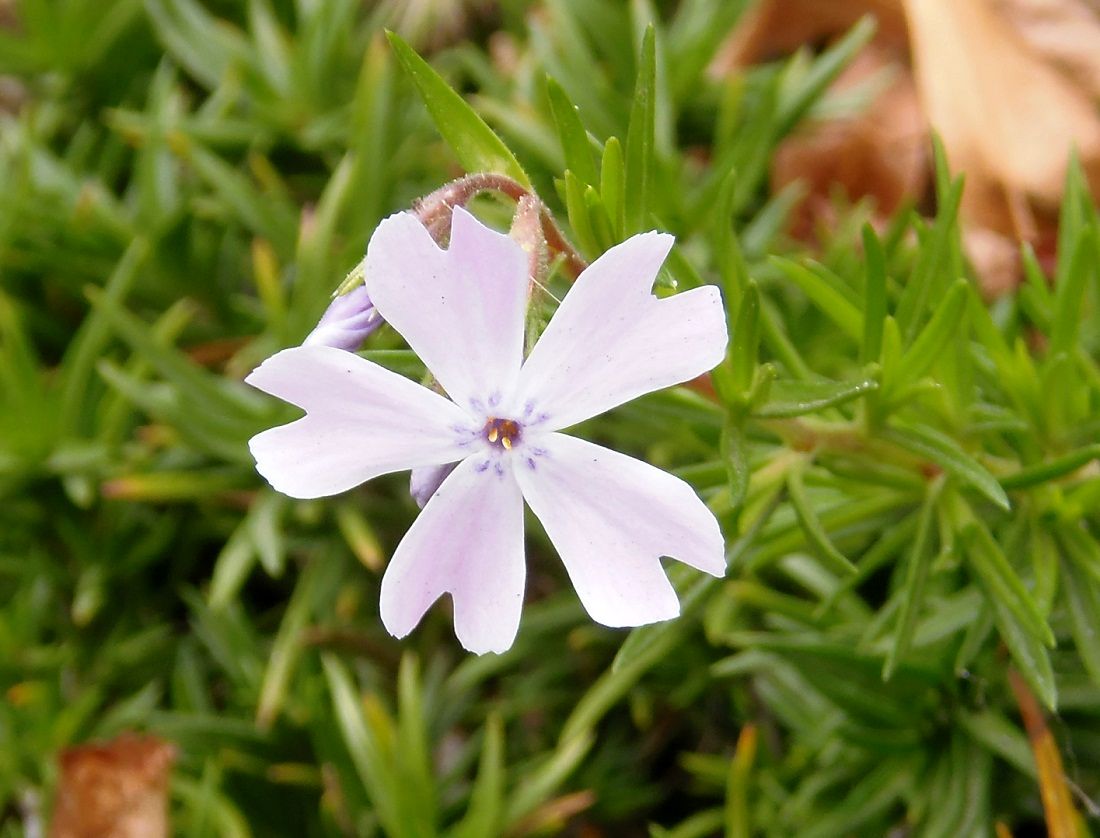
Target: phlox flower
<point>495,439</point>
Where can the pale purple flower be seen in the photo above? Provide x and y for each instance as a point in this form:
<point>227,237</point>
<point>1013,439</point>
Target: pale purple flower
<point>347,321</point>
<point>462,310</point>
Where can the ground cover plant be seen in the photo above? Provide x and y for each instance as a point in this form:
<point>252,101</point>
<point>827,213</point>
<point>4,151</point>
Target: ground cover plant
<point>907,636</point>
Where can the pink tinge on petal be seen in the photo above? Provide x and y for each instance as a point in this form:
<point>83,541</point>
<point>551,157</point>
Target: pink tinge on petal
<point>347,322</point>
<point>467,542</point>
<point>612,340</point>
<point>461,309</point>
<point>611,518</point>
<point>424,481</point>
<point>362,421</point>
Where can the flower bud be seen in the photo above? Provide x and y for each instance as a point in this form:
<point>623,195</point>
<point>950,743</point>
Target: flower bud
<point>348,321</point>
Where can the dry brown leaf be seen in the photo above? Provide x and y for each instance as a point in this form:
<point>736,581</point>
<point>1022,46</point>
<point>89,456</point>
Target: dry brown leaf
<point>773,28</point>
<point>1065,33</point>
<point>995,259</point>
<point>1007,119</point>
<point>880,152</point>
<point>117,789</point>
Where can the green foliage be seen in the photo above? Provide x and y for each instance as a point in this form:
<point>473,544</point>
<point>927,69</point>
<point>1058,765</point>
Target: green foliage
<point>906,476</point>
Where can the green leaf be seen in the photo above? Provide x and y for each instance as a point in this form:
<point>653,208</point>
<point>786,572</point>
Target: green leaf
<point>798,99</point>
<point>1002,584</point>
<point>368,734</point>
<point>996,733</point>
<point>745,339</point>
<point>945,452</point>
<point>286,650</point>
<point>1053,469</point>
<point>877,793</point>
<point>918,563</point>
<point>834,304</point>
<point>874,295</point>
<point>1027,650</point>
<point>811,524</point>
<point>613,185</point>
<point>579,219</point>
<point>483,815</point>
<point>1069,293</point>
<point>478,149</point>
<point>640,162</point>
<point>1082,593</point>
<point>791,397</point>
<point>738,819</point>
<point>412,738</point>
<point>930,343</point>
<point>735,455</point>
<point>925,283</point>
<point>571,131</point>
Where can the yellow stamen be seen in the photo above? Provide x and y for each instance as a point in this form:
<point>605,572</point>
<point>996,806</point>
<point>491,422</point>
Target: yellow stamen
<point>507,443</point>
<point>493,434</point>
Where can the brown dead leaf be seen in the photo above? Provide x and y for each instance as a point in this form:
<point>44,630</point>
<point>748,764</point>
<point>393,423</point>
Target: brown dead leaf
<point>995,258</point>
<point>1007,118</point>
<point>773,28</point>
<point>1064,33</point>
<point>880,152</point>
<point>117,789</point>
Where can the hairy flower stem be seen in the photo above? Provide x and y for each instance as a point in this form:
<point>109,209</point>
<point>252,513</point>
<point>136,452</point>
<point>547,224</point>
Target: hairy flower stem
<point>434,211</point>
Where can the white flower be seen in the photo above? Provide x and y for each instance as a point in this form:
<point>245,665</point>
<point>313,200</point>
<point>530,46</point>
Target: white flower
<point>611,517</point>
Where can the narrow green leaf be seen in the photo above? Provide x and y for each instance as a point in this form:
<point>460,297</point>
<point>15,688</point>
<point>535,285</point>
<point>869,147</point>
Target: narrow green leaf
<point>571,132</point>
<point>738,819</point>
<point>925,283</point>
<point>1027,650</point>
<point>483,815</point>
<point>373,761</point>
<point>797,100</point>
<point>832,303</point>
<point>997,734</point>
<point>918,563</point>
<point>811,524</point>
<point>1069,293</point>
<point>1002,584</point>
<point>1053,469</point>
<point>933,339</point>
<point>640,138</point>
<point>544,779</point>
<point>287,647</point>
<point>790,397</point>
<point>613,185</point>
<point>735,455</point>
<point>602,228</point>
<point>412,738</point>
<point>478,149</point>
<point>745,338</point>
<point>945,452</point>
<point>874,295</point>
<point>577,210</point>
<point>1082,592</point>
<point>727,249</point>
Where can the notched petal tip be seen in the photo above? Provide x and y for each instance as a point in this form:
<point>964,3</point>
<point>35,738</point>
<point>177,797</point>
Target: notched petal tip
<point>611,518</point>
<point>468,544</point>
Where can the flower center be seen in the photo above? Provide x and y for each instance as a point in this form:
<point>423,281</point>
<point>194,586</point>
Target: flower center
<point>503,432</point>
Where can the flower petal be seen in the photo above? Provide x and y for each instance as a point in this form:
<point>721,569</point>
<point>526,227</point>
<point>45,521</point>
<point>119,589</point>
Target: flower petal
<point>612,340</point>
<point>467,542</point>
<point>611,518</point>
<point>425,480</point>
<point>461,309</point>
<point>362,421</point>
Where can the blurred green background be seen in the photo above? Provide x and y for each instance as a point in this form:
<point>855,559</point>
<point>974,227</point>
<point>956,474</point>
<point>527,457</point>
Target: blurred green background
<point>905,475</point>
